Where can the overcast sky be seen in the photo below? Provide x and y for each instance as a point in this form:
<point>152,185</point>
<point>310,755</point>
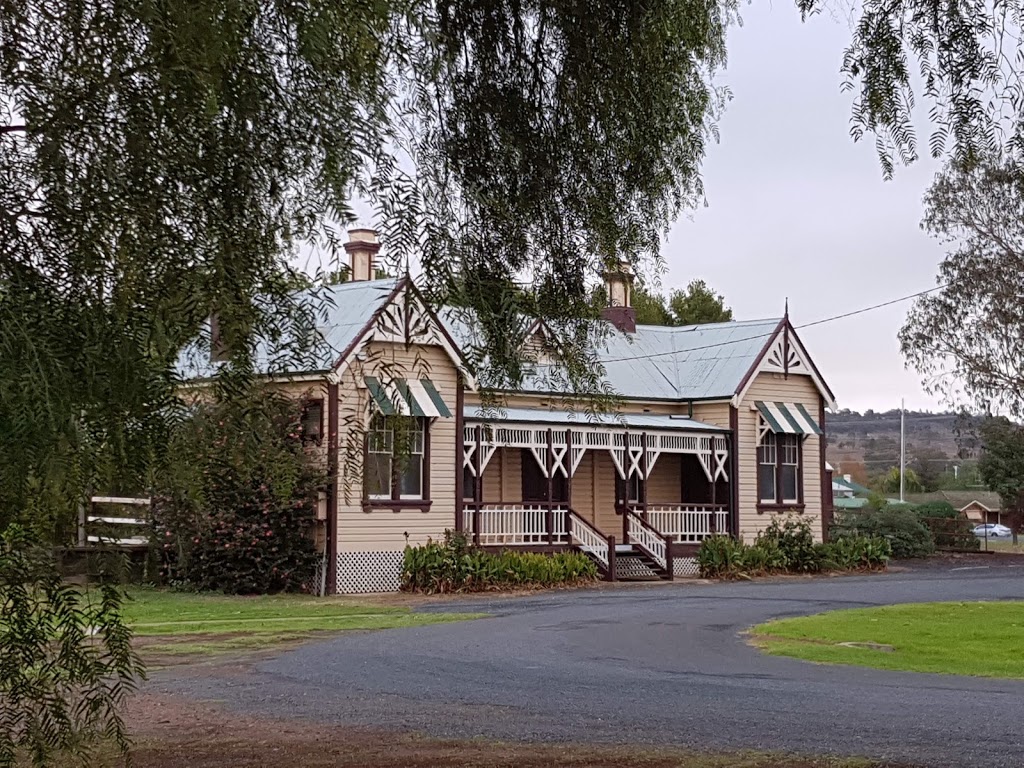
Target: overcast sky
<point>796,209</point>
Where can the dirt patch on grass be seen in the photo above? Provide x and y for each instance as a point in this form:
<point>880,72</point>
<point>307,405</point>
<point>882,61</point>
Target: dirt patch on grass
<point>175,733</point>
<point>161,651</point>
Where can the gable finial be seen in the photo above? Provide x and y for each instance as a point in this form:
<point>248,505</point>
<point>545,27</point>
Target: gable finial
<point>786,315</point>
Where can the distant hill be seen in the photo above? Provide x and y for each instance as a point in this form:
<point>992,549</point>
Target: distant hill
<point>868,444</point>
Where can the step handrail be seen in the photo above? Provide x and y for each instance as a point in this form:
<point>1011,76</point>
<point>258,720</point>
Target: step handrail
<point>649,540</point>
<point>588,538</point>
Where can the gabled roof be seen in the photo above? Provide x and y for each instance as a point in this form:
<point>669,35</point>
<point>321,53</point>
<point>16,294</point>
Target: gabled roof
<point>698,362</point>
<point>959,499</point>
<point>346,310</point>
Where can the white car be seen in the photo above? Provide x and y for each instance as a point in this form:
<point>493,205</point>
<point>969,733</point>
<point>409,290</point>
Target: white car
<point>991,531</point>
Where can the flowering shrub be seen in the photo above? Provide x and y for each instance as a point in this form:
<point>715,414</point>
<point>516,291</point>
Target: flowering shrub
<point>236,513</point>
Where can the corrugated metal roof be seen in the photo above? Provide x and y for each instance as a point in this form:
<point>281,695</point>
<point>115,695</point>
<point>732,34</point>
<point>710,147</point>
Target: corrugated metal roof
<point>342,312</point>
<point>656,362</point>
<point>558,416</point>
<point>685,363</point>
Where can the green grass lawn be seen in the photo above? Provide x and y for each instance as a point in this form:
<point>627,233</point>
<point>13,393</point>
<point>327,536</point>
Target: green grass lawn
<point>181,623</point>
<point>981,639</point>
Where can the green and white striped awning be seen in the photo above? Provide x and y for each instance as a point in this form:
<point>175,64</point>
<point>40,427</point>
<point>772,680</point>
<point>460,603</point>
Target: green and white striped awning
<point>788,418</point>
<point>407,397</point>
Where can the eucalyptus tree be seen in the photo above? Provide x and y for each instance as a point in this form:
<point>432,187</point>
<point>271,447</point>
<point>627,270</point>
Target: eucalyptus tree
<point>967,338</point>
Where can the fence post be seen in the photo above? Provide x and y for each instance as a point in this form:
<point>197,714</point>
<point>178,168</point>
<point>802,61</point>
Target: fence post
<point>611,559</point>
<point>81,524</point>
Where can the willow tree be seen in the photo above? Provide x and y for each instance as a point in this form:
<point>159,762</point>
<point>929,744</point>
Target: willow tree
<point>159,160</point>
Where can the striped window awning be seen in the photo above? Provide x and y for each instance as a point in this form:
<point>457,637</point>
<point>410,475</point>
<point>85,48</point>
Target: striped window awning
<point>788,418</point>
<point>407,397</point>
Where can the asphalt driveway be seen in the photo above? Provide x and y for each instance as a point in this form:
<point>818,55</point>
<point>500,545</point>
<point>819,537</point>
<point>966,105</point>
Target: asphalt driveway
<point>662,664</point>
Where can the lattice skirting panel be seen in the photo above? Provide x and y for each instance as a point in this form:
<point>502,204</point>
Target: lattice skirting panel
<point>630,567</point>
<point>685,566</point>
<point>369,572</point>
<point>316,585</point>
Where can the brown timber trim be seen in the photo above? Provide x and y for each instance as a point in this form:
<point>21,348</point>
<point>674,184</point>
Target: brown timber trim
<point>549,516</point>
<point>397,505</point>
<point>826,481</point>
<point>370,323</point>
<point>567,462</point>
<point>734,474</point>
<point>814,368</point>
<point>460,453</point>
<point>757,361</point>
<point>425,466</point>
<point>332,490</point>
<point>779,508</point>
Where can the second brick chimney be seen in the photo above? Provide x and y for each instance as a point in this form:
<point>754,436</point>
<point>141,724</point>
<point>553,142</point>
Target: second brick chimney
<point>618,280</point>
<point>362,248</point>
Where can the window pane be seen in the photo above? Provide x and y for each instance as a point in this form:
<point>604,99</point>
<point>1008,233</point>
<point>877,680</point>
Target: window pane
<point>634,488</point>
<point>378,475</point>
<point>468,485</point>
<point>410,481</point>
<point>789,482</point>
<point>311,420</point>
<point>766,482</point>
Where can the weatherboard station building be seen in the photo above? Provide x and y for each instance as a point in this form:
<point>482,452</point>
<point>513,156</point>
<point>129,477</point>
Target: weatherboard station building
<point>719,429</point>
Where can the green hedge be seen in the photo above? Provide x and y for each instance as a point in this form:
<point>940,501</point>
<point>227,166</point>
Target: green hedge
<point>900,526</point>
<point>789,547</point>
<point>454,566</point>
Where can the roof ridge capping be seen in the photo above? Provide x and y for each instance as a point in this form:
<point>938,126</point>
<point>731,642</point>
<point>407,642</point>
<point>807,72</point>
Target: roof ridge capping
<point>709,326</point>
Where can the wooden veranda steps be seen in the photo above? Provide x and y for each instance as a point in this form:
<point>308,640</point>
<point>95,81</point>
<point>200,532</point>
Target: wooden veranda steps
<point>641,552</point>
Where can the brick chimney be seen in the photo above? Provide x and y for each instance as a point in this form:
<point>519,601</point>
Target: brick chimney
<point>362,247</point>
<point>618,280</point>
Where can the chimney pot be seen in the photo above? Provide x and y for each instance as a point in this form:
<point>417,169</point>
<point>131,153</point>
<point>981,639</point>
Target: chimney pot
<point>619,283</point>
<point>362,248</point>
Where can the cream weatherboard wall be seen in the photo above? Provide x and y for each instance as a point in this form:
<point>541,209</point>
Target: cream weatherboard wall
<point>776,387</point>
<point>370,541</point>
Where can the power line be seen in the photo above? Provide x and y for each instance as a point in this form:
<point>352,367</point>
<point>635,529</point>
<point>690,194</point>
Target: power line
<point>768,335</point>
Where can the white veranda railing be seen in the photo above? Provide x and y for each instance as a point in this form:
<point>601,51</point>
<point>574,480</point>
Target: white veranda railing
<point>586,537</point>
<point>515,525</point>
<point>647,539</point>
<point>688,523</point>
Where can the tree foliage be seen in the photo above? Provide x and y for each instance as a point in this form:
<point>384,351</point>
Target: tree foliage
<point>159,160</point>
<point>970,73</point>
<point>890,481</point>
<point>67,664</point>
<point>695,305</point>
<point>698,304</point>
<point>967,339</point>
<point>1002,465</point>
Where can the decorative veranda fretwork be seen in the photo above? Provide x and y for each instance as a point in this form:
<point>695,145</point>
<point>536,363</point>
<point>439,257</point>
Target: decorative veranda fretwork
<point>632,452</point>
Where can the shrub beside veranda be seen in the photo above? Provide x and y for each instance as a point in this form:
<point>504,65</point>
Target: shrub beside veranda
<point>789,547</point>
<point>453,565</point>
<point>237,510</point>
<point>66,661</point>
